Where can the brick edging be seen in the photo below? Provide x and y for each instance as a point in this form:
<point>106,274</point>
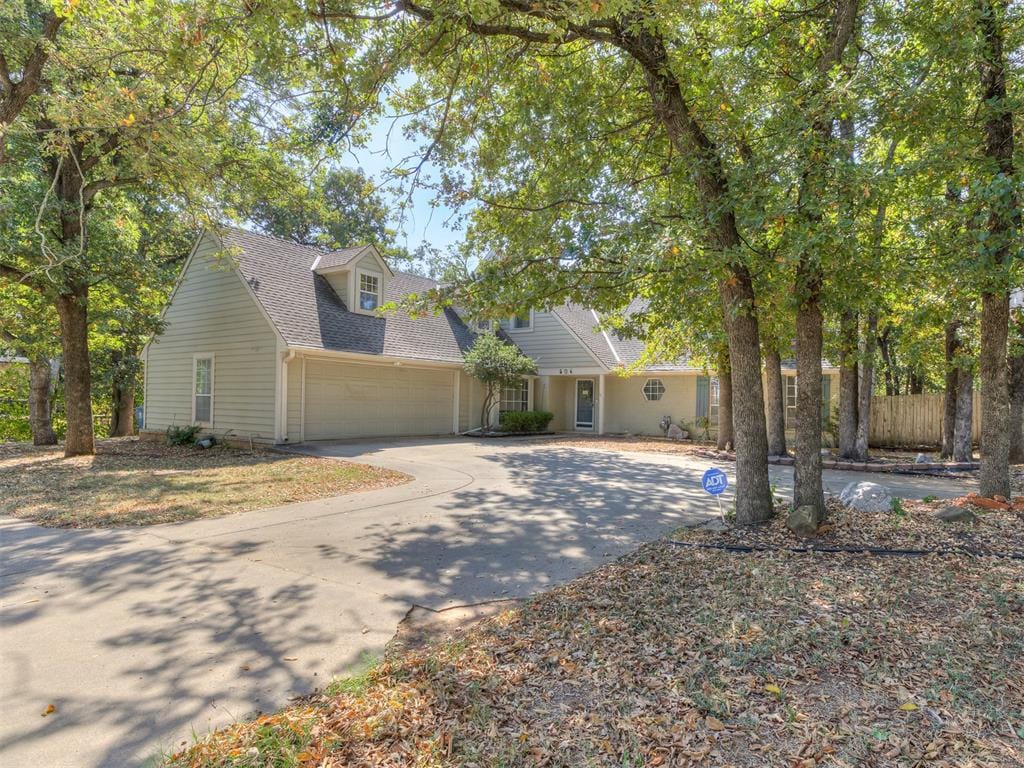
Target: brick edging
<point>906,468</point>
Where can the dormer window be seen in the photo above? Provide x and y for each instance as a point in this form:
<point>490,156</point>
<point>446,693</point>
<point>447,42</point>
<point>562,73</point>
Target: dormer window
<point>369,291</point>
<point>521,322</point>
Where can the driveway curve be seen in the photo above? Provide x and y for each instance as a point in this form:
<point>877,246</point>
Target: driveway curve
<point>142,637</point>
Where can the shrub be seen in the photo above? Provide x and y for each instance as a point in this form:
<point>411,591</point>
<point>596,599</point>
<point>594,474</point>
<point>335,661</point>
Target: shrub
<point>182,435</point>
<point>525,421</point>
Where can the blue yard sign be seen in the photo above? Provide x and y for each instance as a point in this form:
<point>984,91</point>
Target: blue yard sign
<point>715,481</point>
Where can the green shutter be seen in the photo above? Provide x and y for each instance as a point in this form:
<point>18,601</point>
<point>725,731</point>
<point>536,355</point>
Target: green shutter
<point>826,399</point>
<point>703,396</point>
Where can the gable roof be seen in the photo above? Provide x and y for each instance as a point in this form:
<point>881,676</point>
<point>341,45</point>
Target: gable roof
<point>307,312</point>
<point>606,346</point>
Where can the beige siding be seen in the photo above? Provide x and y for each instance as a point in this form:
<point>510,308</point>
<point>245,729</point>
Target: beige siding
<point>551,344</point>
<point>471,400</point>
<point>294,431</point>
<point>626,409</point>
<point>213,312</point>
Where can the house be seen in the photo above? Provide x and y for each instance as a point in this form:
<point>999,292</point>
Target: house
<point>281,343</point>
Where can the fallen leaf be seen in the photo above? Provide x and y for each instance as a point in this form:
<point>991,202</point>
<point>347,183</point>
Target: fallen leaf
<point>773,689</point>
<point>50,709</point>
<point>908,706</point>
<point>714,723</point>
<point>291,658</point>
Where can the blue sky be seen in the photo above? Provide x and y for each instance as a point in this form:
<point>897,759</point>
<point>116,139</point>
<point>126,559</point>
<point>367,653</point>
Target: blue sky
<point>424,222</point>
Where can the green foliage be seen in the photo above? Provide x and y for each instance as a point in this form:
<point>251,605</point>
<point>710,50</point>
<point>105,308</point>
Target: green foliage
<point>182,435</point>
<point>495,363</point>
<point>525,421</point>
<point>14,424</point>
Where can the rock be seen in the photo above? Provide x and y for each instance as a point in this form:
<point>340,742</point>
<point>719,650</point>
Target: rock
<point>866,497</point>
<point>826,453</point>
<point>951,513</point>
<point>922,459</point>
<point>803,521</point>
<point>675,432</point>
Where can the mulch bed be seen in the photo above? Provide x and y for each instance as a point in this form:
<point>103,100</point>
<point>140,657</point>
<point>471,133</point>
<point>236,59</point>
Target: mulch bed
<point>673,657</point>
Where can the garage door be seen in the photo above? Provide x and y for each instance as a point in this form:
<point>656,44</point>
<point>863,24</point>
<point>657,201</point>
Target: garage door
<point>346,400</point>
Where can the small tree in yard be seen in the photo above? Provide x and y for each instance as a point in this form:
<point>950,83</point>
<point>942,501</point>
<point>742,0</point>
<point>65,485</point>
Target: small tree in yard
<point>495,364</point>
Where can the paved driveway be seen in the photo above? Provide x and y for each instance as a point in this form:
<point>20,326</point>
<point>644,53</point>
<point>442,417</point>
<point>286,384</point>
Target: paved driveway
<point>141,637</point>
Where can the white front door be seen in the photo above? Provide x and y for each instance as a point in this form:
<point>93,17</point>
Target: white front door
<point>584,404</point>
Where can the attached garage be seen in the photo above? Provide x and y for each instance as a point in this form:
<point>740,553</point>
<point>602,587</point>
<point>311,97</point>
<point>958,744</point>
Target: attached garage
<point>345,400</point>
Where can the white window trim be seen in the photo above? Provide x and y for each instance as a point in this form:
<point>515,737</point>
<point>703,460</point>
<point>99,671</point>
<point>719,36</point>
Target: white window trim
<point>358,290</point>
<point>213,371</point>
<point>643,390</point>
<point>714,398</point>
<point>529,395</point>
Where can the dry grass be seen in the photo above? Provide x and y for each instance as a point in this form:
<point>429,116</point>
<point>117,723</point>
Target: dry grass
<point>678,657</point>
<point>129,482</point>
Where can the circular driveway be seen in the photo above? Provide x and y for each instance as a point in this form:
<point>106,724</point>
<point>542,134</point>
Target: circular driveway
<point>140,637</point>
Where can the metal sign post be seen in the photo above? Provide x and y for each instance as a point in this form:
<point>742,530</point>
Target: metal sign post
<point>715,482</point>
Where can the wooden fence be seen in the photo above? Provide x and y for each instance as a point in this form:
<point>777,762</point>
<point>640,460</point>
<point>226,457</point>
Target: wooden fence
<point>914,420</point>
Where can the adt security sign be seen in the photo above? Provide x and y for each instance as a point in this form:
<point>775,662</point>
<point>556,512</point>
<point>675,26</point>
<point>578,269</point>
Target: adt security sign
<point>715,481</point>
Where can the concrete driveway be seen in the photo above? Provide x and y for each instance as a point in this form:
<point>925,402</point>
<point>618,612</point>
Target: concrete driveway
<point>142,637</point>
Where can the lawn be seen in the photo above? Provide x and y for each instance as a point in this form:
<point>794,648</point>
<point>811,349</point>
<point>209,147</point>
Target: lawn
<point>676,656</point>
<point>129,482</point>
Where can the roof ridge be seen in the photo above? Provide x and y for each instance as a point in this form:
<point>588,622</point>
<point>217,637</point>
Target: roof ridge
<point>318,248</point>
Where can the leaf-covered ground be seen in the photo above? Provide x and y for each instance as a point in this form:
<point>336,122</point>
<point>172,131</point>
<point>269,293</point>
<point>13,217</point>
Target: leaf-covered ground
<point>129,482</point>
<point>678,657</point>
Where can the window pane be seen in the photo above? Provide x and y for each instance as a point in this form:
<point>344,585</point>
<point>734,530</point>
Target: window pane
<point>516,398</point>
<point>204,380</point>
<point>654,389</point>
<point>521,321</point>
<point>369,292</point>
<point>203,403</point>
<point>504,324</point>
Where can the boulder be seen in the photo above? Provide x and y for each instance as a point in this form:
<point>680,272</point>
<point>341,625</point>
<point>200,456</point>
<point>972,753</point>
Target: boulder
<point>951,513</point>
<point>675,432</point>
<point>826,453</point>
<point>866,497</point>
<point>922,459</point>
<point>803,521</point>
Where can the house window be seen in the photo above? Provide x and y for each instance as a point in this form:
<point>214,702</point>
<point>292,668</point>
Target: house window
<point>202,390</point>
<point>790,401</point>
<point>654,389</point>
<point>369,292</point>
<point>483,325</point>
<point>516,397</point>
<point>713,392</point>
<point>517,322</point>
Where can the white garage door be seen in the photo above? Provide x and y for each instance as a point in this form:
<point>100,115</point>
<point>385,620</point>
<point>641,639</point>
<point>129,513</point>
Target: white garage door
<point>351,400</point>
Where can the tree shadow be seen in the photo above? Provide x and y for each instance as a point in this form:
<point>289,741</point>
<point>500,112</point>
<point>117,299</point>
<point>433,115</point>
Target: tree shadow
<point>564,512</point>
<point>157,627</point>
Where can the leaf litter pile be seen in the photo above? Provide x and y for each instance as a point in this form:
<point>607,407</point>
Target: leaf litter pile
<point>676,657</point>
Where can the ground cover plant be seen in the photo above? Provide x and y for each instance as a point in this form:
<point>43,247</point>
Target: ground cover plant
<point>129,482</point>
<point>687,656</point>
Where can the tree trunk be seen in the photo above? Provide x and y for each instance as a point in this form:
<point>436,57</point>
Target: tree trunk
<point>122,417</point>
<point>962,449</point>
<point>865,387</point>
<point>40,408</point>
<point>725,432</point>
<point>72,309</point>
<point>848,385</point>
<point>1003,219</point>
<point>915,383</point>
<point>952,349</point>
<point>776,403</point>
<point>807,490</point>
<point>892,376</point>
<point>1015,382</point>
<point>994,476</point>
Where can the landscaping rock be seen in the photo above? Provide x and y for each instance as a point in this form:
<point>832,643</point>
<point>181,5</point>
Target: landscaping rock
<point>675,432</point>
<point>803,521</point>
<point>826,453</point>
<point>922,459</point>
<point>951,513</point>
<point>866,497</point>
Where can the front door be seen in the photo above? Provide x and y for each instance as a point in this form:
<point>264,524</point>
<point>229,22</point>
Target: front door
<point>584,404</point>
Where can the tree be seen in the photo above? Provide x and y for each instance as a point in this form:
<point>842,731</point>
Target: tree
<point>495,363</point>
<point>999,242</point>
<point>144,96</point>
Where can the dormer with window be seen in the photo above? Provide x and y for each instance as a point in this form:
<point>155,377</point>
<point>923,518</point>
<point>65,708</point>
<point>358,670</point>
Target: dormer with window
<point>520,322</point>
<point>358,275</point>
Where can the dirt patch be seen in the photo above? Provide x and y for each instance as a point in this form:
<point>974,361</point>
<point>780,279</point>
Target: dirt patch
<point>423,627</point>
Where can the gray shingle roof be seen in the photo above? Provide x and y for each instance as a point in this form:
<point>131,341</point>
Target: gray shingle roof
<point>341,257</point>
<point>308,313</point>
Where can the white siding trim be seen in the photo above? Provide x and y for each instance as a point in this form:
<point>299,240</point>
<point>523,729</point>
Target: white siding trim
<point>302,401</point>
<point>369,359</point>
